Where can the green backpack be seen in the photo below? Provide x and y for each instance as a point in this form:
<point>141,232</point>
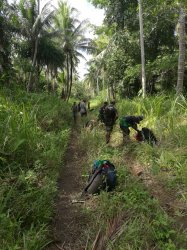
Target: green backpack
<point>123,123</point>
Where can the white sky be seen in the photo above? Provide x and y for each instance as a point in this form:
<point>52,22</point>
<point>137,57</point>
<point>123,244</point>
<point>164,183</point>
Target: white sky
<point>87,11</point>
<point>95,16</point>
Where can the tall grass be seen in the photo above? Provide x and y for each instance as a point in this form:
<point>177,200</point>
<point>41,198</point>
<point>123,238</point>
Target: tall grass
<point>167,117</point>
<point>145,225</point>
<point>34,131</point>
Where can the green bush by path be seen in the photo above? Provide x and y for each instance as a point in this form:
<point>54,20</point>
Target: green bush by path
<point>34,131</point>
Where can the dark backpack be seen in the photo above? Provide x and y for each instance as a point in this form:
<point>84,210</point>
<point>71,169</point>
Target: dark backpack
<point>106,170</point>
<point>110,114</point>
<point>149,136</point>
<point>146,135</point>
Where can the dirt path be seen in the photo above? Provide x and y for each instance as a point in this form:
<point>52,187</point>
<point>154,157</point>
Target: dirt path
<point>69,223</point>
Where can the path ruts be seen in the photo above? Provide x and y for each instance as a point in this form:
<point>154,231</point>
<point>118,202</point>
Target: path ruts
<point>69,223</point>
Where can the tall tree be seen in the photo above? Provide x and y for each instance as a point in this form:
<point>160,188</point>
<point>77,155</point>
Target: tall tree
<point>5,37</point>
<point>142,49</point>
<point>33,23</point>
<point>181,60</point>
<point>73,40</point>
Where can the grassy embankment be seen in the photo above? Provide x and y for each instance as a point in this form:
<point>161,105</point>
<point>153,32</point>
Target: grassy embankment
<point>143,223</point>
<point>34,131</point>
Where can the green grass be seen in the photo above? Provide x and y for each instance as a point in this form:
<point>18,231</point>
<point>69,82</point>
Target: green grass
<point>34,131</point>
<point>146,224</point>
<point>167,117</point>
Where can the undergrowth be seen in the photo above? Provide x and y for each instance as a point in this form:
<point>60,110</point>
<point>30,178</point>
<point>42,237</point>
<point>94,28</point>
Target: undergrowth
<point>34,131</point>
<point>145,225</point>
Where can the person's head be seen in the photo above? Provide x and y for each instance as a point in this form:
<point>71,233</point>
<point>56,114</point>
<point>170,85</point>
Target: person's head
<point>105,103</point>
<point>113,102</point>
<point>140,118</point>
<point>74,103</point>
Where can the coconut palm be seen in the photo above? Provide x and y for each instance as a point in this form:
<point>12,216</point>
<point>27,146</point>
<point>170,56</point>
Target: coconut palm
<point>73,40</point>
<point>6,33</point>
<point>33,25</point>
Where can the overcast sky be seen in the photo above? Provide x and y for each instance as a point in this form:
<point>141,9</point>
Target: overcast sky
<point>95,16</point>
<point>87,11</point>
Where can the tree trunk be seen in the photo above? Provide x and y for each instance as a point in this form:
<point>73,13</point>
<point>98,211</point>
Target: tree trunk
<point>142,49</point>
<point>30,83</point>
<point>103,81</point>
<point>71,78</point>
<point>37,76</point>
<point>67,77</point>
<point>97,85</point>
<point>181,59</point>
<point>108,92</point>
<point>112,91</point>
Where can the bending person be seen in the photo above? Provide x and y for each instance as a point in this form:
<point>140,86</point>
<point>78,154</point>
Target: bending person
<point>129,121</point>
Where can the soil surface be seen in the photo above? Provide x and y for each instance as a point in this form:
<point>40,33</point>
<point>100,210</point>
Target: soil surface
<point>69,225</point>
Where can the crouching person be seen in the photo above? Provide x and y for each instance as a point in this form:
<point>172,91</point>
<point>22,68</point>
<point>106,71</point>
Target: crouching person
<point>103,177</point>
<point>129,121</point>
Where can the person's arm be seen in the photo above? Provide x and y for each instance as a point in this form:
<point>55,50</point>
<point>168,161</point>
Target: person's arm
<point>134,126</point>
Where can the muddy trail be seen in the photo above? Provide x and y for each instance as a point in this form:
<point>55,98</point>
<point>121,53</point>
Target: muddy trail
<point>69,225</point>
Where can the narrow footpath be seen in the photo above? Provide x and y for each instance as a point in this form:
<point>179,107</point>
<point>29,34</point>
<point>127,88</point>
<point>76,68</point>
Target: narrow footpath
<point>68,228</point>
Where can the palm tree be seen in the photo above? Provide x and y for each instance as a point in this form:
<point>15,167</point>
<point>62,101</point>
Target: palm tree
<point>73,40</point>
<point>6,34</point>
<point>90,78</point>
<point>51,57</point>
<point>33,23</point>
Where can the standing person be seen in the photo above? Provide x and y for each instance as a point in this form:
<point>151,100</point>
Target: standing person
<point>129,121</point>
<point>101,112</point>
<point>83,110</point>
<point>110,117</point>
<point>74,109</point>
